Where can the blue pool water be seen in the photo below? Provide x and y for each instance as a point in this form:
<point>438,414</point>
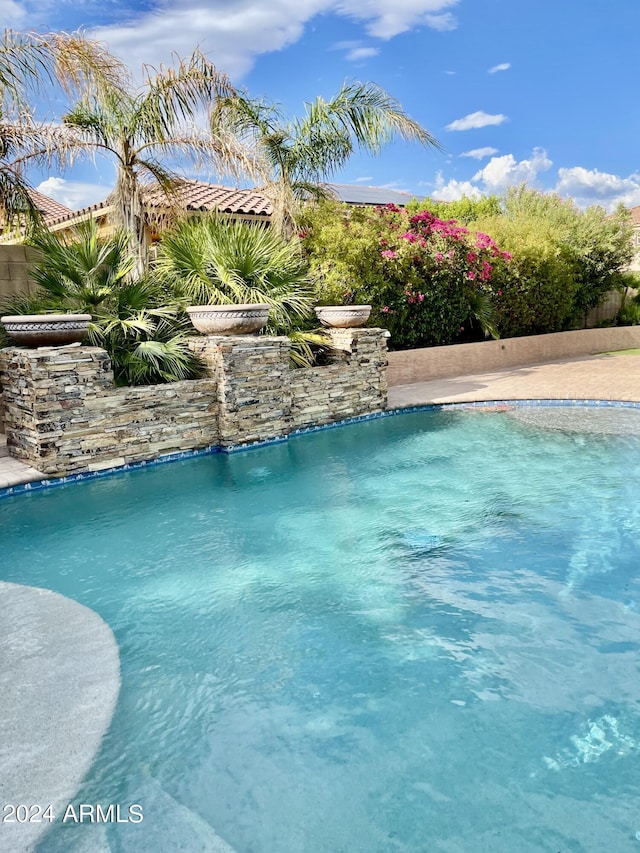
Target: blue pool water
<point>420,633</point>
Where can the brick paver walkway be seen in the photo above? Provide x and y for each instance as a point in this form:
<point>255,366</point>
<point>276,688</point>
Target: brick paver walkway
<point>600,377</point>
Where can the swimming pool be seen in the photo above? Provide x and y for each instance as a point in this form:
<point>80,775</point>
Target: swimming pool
<point>417,633</point>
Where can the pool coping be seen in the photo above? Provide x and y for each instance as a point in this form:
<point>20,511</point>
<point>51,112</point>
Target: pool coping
<point>53,482</point>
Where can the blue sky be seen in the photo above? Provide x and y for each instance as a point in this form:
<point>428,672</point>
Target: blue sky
<point>515,90</point>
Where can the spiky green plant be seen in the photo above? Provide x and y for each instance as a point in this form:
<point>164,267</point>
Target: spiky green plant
<point>214,261</point>
<point>140,323</point>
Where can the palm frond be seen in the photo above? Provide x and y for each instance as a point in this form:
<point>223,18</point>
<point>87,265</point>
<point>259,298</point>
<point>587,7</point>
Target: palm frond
<point>214,261</point>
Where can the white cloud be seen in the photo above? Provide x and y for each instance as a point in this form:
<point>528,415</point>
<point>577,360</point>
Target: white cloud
<point>585,186</point>
<point>73,194</point>
<point>479,153</point>
<point>495,177</point>
<point>362,180</point>
<point>12,14</point>
<point>235,33</point>
<point>451,73</point>
<point>501,172</point>
<point>504,66</point>
<point>590,186</point>
<point>362,53</point>
<point>453,190</point>
<point>476,120</point>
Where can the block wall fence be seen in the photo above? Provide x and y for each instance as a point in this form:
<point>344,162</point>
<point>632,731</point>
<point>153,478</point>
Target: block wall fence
<point>63,414</point>
<point>423,365</point>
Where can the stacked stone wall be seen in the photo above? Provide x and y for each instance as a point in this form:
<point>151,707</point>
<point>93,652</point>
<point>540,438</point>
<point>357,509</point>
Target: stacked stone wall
<point>64,414</point>
<point>354,384</point>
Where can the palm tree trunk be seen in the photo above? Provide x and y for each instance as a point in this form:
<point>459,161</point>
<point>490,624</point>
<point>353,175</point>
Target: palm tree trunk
<point>130,216</point>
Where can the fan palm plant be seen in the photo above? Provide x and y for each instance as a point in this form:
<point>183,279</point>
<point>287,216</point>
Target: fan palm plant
<point>302,153</point>
<point>140,323</point>
<point>143,128</point>
<point>213,261</point>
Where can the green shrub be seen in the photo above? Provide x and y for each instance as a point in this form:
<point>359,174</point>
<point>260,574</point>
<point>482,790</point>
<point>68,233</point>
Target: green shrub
<point>426,279</point>
<point>464,210</point>
<point>534,293</point>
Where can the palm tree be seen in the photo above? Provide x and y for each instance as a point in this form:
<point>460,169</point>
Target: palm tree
<point>304,152</point>
<point>29,62</point>
<point>143,128</point>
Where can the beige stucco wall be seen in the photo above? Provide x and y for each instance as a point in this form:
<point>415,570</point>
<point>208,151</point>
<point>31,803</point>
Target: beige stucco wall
<point>421,365</point>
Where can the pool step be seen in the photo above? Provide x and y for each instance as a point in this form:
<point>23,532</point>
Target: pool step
<point>167,826</point>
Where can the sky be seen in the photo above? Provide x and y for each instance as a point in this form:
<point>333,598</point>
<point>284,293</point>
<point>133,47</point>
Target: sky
<point>545,92</point>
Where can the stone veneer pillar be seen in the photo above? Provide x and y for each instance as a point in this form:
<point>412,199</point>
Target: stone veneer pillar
<point>45,392</point>
<point>251,373</point>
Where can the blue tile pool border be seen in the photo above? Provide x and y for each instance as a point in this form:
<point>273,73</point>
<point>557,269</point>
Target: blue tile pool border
<point>43,485</point>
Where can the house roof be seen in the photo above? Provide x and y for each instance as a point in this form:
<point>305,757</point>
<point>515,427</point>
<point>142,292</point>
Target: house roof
<point>356,194</point>
<point>48,207</point>
<point>635,215</point>
<point>190,195</point>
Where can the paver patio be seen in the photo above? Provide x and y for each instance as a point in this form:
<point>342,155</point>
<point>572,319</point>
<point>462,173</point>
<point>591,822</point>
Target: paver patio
<point>599,377</point>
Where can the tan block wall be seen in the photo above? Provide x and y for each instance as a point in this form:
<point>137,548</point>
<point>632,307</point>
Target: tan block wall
<point>14,273</point>
<point>421,365</point>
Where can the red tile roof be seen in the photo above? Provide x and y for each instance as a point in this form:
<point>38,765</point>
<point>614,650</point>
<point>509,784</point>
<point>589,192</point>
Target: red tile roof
<point>635,215</point>
<point>50,209</point>
<point>193,195</point>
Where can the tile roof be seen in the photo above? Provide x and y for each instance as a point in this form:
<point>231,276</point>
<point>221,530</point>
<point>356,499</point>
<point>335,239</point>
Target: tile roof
<point>48,207</point>
<point>197,195</point>
<point>635,215</point>
<point>193,195</point>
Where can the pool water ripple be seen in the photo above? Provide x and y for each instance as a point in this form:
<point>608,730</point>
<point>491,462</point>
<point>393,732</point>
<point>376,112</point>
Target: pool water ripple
<point>413,634</point>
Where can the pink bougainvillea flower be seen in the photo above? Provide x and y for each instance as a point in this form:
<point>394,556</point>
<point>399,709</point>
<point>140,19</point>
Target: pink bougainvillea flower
<point>471,275</point>
<point>507,256</point>
<point>499,293</point>
<point>389,253</point>
<point>410,236</point>
<point>472,257</point>
<point>421,297</point>
<point>439,256</point>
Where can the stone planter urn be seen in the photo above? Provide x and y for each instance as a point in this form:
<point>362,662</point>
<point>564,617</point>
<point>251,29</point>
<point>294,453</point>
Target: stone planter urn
<point>343,316</point>
<point>47,330</point>
<point>229,319</point>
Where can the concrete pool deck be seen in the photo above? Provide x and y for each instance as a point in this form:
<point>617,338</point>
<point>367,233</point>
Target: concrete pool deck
<point>611,376</point>
<point>608,376</point>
